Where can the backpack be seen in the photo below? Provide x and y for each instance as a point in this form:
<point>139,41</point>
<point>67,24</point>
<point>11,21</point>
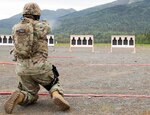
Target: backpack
<point>23,38</point>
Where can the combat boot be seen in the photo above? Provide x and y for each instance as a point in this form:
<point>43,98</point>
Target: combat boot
<point>60,101</point>
<point>16,98</point>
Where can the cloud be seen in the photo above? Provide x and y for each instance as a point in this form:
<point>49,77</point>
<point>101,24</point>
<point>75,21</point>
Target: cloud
<point>9,8</point>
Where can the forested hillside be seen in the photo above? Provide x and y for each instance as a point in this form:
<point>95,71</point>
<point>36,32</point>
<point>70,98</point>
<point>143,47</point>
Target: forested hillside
<point>49,15</point>
<point>131,18</point>
<point>102,21</point>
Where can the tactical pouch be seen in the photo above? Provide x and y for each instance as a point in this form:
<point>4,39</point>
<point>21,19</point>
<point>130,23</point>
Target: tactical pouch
<point>55,71</point>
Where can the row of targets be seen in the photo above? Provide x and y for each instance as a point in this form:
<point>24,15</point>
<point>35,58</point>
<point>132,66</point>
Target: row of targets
<point>124,41</point>
<point>7,40</point>
<point>82,41</point>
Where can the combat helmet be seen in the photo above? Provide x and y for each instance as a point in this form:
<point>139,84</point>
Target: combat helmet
<point>31,9</point>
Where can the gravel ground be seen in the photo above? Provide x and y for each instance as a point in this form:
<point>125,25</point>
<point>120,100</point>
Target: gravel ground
<point>84,72</point>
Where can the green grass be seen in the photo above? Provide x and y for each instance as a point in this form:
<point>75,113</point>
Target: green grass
<point>96,44</point>
<point>62,44</point>
<point>100,44</point>
<point>143,45</point>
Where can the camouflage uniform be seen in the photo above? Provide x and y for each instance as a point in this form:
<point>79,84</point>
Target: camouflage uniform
<point>33,68</point>
<point>36,70</point>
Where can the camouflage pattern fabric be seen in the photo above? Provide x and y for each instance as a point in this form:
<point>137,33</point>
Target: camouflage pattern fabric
<point>31,9</point>
<point>36,65</point>
<point>29,85</point>
<point>28,44</point>
<point>23,38</point>
<point>36,70</point>
<point>41,29</point>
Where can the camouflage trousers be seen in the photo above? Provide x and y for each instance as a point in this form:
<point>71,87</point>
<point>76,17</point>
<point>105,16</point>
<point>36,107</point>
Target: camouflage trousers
<point>30,85</point>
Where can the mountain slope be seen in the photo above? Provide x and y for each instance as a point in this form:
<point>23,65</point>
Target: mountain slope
<point>129,18</point>
<point>99,7</point>
<point>50,15</point>
<point>119,17</point>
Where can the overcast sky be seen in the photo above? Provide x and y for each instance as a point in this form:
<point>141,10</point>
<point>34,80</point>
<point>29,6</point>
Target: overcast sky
<point>9,8</point>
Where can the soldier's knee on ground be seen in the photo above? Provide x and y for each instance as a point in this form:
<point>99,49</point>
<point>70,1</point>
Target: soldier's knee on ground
<point>29,99</point>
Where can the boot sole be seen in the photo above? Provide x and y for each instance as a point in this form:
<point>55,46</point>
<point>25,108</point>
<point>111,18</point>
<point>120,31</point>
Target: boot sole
<point>61,103</point>
<point>10,104</point>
